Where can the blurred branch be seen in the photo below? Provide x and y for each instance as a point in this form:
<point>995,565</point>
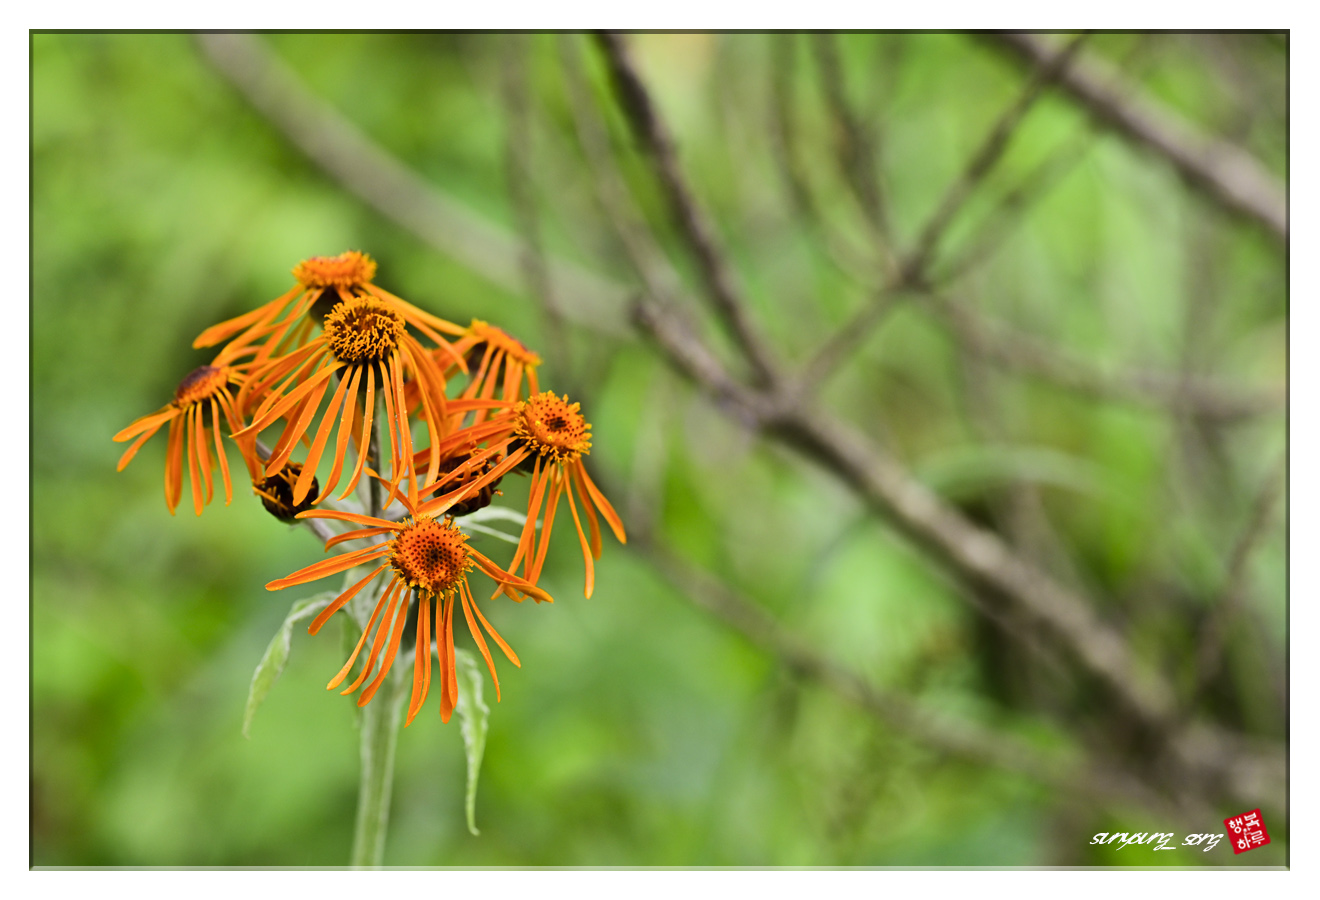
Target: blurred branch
<point>944,734</point>
<point>785,151</point>
<point>978,167</point>
<point>784,128</point>
<point>978,557</point>
<point>911,270</point>
<point>844,342</point>
<point>650,130</point>
<point>646,259</point>
<point>1211,640</point>
<point>1023,353</point>
<point>522,194</point>
<point>1227,174</point>
<point>1010,207</point>
<point>401,194</point>
<point>365,168</point>
<point>1017,351</point>
<point>856,156</point>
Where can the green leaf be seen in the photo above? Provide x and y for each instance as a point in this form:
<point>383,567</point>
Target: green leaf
<point>474,714</point>
<point>493,532</point>
<point>494,514</point>
<point>277,653</point>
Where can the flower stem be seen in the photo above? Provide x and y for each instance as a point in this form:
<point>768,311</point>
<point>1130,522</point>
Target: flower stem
<point>373,458</point>
<point>378,739</point>
<point>379,733</point>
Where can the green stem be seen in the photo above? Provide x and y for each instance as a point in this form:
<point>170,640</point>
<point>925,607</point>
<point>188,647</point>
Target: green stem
<point>378,739</point>
<point>379,735</point>
<point>373,457</point>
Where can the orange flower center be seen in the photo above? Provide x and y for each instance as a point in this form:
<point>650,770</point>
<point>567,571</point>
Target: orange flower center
<point>431,555</point>
<point>502,340</point>
<point>199,384</point>
<point>550,426</point>
<point>363,329</point>
<point>345,270</point>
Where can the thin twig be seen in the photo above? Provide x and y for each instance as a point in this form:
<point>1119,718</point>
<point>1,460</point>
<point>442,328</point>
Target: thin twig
<point>992,149</point>
<point>1018,351</point>
<point>856,156</point>
<point>645,258</point>
<point>522,193</point>
<point>785,151</point>
<point>1227,174</point>
<point>912,271</point>
<point>840,345</point>
<point>944,734</point>
<point>1211,641</point>
<point>1011,206</point>
<point>651,132</point>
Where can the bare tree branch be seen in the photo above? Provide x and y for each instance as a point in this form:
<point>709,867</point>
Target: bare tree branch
<point>646,259</point>
<point>1227,174</point>
<point>1017,351</point>
<point>961,739</point>
<point>856,156</point>
<point>1010,206</point>
<point>785,149</point>
<point>522,193</point>
<point>977,557</point>
<point>918,260</point>
<point>1210,645</point>
<point>912,270</point>
<point>644,118</point>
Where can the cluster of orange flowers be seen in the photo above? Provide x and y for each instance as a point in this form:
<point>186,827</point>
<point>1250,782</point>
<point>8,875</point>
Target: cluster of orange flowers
<point>272,372</point>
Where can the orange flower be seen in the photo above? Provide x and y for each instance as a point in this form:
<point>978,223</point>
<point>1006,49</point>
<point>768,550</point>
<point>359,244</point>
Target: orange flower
<point>205,389</point>
<point>366,344</point>
<point>495,352</point>
<point>323,281</point>
<point>553,432</point>
<point>497,360</point>
<point>429,557</point>
<point>319,276</point>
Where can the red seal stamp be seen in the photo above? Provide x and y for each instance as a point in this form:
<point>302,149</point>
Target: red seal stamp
<point>1246,831</point>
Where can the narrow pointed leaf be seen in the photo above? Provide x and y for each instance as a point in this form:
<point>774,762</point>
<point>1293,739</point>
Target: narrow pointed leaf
<point>277,653</point>
<point>474,714</point>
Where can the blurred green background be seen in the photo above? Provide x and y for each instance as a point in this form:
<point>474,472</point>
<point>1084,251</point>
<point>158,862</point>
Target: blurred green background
<point>640,730</point>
